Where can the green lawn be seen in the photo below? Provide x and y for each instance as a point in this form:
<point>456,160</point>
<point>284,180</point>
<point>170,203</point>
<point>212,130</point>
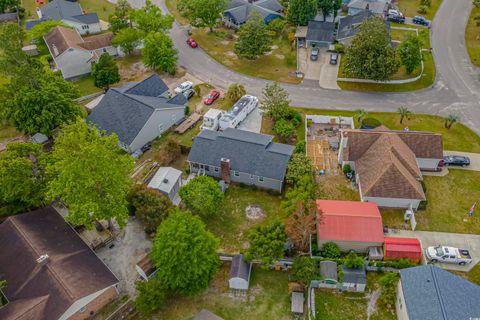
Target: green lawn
<point>230,225</point>
<point>267,298</point>
<point>472,37</point>
<point>220,46</point>
<point>335,305</point>
<point>400,35</point>
<point>86,86</point>
<point>410,8</point>
<point>102,8</point>
<point>425,81</point>
<point>7,131</point>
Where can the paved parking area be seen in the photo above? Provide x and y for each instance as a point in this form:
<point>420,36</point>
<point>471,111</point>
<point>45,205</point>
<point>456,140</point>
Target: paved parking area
<point>253,122</point>
<point>474,160</point>
<point>312,68</point>
<point>329,73</point>
<point>470,242</point>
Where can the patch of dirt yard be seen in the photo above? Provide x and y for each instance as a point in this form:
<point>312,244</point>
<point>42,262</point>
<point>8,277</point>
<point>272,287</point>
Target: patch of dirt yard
<point>129,246</point>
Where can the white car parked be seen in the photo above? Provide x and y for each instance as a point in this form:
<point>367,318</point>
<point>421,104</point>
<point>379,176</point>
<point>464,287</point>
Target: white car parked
<point>187,85</point>
<point>448,255</point>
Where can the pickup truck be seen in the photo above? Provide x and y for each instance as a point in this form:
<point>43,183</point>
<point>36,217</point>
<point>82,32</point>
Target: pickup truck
<point>448,255</point>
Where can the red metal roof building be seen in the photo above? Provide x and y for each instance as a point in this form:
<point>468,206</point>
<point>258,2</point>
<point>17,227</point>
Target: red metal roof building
<point>352,225</point>
<point>407,248</point>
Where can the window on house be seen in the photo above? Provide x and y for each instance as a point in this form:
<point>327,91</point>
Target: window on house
<point>260,179</point>
<point>104,50</point>
<point>195,165</point>
<point>236,173</point>
<point>160,127</point>
<point>217,169</point>
<point>207,168</point>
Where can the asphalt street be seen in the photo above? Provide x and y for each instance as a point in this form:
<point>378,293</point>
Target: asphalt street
<point>456,89</point>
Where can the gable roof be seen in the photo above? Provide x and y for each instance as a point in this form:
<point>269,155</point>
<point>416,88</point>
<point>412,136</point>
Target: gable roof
<point>375,6</point>
<point>349,221</point>
<point>240,268</point>
<point>320,31</point>
<point>45,291</point>
<point>433,293</point>
<point>348,26</point>
<point>248,152</point>
<point>70,10</point>
<point>241,10</point>
<point>126,110</point>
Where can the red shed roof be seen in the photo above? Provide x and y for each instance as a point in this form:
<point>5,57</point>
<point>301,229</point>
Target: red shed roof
<point>350,221</point>
<point>402,245</point>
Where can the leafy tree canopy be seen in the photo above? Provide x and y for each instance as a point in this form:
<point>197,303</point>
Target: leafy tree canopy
<point>9,5</point>
<point>43,28</point>
<point>410,53</point>
<point>235,92</point>
<point>90,174</point>
<point>105,72</point>
<point>202,13</point>
<point>353,261</point>
<point>12,59</point>
<point>275,103</point>
<point>128,39</point>
<point>267,243</point>
<point>185,254</point>
<point>150,18</point>
<point>298,167</point>
<point>370,55</point>
<point>202,196</point>
<point>253,38</point>
<point>159,53</point>
<point>302,11</point>
<point>152,295</point>
<point>305,269</point>
<point>120,19</point>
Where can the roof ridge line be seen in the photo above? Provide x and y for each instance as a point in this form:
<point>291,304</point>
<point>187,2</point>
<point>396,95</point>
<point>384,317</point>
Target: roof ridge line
<point>129,95</point>
<point>140,82</point>
<point>437,290</point>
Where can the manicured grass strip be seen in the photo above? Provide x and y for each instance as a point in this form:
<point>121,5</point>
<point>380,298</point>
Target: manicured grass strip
<point>472,37</point>
<point>410,8</point>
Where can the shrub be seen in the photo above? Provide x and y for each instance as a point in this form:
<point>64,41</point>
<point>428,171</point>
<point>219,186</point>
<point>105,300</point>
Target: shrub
<point>187,110</point>
<point>426,3</point>
<point>423,205</point>
<point>370,123</point>
<point>422,9</point>
<point>347,169</point>
<point>300,147</point>
<point>339,48</point>
<point>305,269</point>
<point>331,250</point>
<point>353,261</point>
<point>290,59</point>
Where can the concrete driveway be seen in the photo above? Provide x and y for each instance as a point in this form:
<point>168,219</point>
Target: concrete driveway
<point>312,68</point>
<point>470,242</point>
<point>253,122</point>
<point>474,160</point>
<point>329,73</point>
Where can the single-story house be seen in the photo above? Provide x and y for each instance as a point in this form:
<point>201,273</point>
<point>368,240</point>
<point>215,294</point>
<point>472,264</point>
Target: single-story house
<point>168,181</point>
<point>351,225</point>
<point>204,314</point>
<point>50,272</point>
<point>138,112</point>
<point>320,34</point>
<point>388,163</point>
<point>431,293</point>
<point>349,26</point>
<point>240,272</point>
<point>377,7</point>
<point>240,156</point>
<point>354,280</point>
<point>238,11</point>
<point>74,55</point>
<point>298,301</point>
<point>328,274</point>
<point>402,248</point>
<point>70,13</point>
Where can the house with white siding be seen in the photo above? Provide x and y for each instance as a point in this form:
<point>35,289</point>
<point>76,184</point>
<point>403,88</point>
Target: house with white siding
<point>388,163</point>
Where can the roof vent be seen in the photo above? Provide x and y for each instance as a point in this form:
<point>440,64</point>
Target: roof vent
<point>42,259</point>
<point>165,180</point>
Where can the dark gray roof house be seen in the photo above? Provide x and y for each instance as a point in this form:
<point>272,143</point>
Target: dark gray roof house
<point>70,13</point>
<point>329,270</point>
<point>50,272</point>
<point>354,280</point>
<point>349,26</point>
<point>138,112</point>
<point>238,11</point>
<point>320,33</point>
<point>431,293</point>
<point>240,272</point>
<point>240,156</point>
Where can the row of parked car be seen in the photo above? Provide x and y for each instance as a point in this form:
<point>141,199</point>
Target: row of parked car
<point>398,17</point>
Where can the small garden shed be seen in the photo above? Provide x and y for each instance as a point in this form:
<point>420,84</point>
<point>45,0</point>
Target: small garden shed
<point>403,248</point>
<point>354,280</point>
<point>329,274</point>
<point>239,273</point>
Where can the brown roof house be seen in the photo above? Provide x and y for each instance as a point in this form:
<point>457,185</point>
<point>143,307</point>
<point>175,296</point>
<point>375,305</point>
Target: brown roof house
<point>388,163</point>
<point>74,55</point>
<point>50,272</point>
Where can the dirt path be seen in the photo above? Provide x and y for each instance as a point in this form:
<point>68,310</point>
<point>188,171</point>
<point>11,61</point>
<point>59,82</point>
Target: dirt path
<point>372,302</point>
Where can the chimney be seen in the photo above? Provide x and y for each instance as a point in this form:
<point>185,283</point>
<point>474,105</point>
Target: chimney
<point>225,169</point>
<point>43,259</point>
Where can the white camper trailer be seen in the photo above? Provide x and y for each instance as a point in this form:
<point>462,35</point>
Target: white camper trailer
<point>211,119</point>
<point>240,110</point>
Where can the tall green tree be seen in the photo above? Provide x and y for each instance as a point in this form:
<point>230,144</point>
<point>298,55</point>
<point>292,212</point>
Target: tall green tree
<point>267,243</point>
<point>185,254</point>
<point>326,6</point>
<point>253,38</point>
<point>305,269</point>
<point>90,174</point>
<point>105,72</point>
<point>13,60</point>
<point>9,5</point>
<point>202,13</point>
<point>43,28</point>
<point>235,92</point>
<point>150,18</point>
<point>275,103</point>
<point>370,55</point>
<point>298,167</point>
<point>22,177</point>
<point>301,11</point>
<point>152,295</point>
<point>300,195</point>
<point>404,112</point>
<point>120,19</point>
<point>159,53</point>
<point>337,5</point>
<point>410,53</point>
<point>202,196</point>
<point>127,39</point>
<point>39,103</point>
<point>150,206</point>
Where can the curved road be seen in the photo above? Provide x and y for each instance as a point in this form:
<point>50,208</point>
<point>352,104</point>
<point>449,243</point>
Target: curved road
<point>456,89</point>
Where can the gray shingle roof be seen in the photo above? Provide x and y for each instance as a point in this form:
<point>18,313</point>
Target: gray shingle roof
<point>126,110</point>
<point>59,9</point>
<point>350,25</point>
<point>375,6</point>
<point>240,268</point>
<point>320,31</point>
<point>248,152</point>
<point>432,293</point>
<point>358,276</point>
<point>328,270</point>
<point>240,10</point>
<point>88,18</point>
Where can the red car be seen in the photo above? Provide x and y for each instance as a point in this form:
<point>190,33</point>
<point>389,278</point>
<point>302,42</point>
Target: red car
<point>192,43</point>
<point>212,96</point>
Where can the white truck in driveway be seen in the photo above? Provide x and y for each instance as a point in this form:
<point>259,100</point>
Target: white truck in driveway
<point>240,110</point>
<point>448,255</point>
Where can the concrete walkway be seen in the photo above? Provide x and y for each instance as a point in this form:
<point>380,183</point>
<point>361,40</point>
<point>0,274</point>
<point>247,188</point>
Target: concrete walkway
<point>474,160</point>
<point>470,242</point>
